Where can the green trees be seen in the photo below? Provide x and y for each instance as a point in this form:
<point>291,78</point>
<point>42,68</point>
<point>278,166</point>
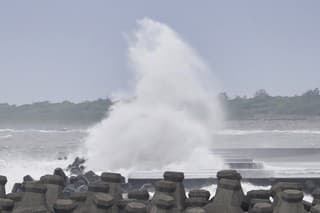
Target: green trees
<point>264,106</point>
<point>66,112</point>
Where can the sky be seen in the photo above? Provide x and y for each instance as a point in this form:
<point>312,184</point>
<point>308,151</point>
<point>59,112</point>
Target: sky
<point>76,50</point>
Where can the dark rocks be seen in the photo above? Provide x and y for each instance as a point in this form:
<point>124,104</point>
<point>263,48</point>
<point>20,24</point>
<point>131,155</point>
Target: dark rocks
<point>91,176</point>
<point>77,167</point>
<point>76,184</point>
<point>307,205</point>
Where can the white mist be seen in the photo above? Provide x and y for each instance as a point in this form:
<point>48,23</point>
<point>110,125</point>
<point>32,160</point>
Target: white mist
<point>169,122</point>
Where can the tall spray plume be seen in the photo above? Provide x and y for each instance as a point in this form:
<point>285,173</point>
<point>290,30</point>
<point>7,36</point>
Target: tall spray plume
<point>168,124</point>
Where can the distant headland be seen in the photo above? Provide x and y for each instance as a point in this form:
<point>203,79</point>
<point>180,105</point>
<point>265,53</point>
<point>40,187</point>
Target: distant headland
<point>261,106</point>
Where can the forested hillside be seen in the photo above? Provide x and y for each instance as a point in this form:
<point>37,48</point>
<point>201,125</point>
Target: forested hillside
<point>260,106</point>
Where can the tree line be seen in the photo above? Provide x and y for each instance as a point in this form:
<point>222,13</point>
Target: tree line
<point>260,106</point>
<point>264,106</point>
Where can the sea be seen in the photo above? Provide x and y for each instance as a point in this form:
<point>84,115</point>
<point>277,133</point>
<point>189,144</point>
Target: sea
<point>285,148</point>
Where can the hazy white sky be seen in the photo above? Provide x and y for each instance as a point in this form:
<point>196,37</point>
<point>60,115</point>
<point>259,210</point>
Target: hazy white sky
<point>76,50</point>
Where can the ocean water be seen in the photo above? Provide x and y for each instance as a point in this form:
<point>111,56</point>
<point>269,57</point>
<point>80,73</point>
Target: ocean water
<point>287,148</point>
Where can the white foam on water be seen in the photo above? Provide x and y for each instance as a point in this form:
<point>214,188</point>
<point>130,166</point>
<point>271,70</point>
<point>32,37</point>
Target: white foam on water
<point>261,131</point>
<point>16,168</point>
<point>245,187</point>
<point>248,187</point>
<point>61,131</point>
<point>169,122</point>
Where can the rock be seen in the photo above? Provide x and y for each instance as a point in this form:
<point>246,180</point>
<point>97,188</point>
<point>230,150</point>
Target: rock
<point>307,205</point>
<point>77,168</point>
<point>91,176</point>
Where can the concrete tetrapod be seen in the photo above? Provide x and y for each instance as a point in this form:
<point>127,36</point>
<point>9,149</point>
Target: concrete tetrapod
<point>114,180</point>
<point>164,204</point>
<point>291,202</point>
<point>3,182</point>
<point>179,194</point>
<point>33,198</point>
<point>227,199</point>
<point>54,185</point>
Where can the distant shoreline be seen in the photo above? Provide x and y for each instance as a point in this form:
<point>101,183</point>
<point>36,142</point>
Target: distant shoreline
<point>260,107</point>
